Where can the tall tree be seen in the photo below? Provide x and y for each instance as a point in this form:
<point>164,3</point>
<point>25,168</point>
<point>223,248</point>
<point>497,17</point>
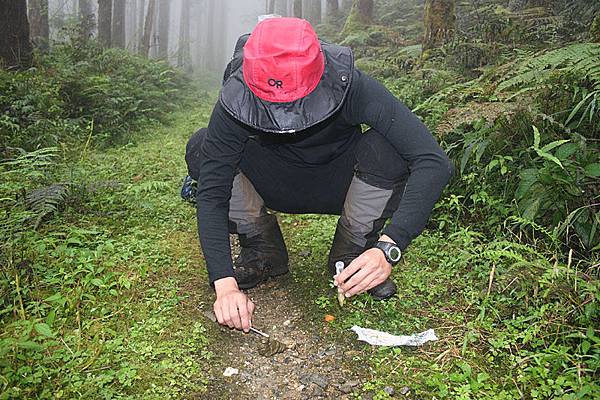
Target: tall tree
<point>595,29</point>
<point>38,23</point>
<point>270,6</point>
<point>312,11</point>
<point>331,9</point>
<point>15,47</point>
<point>148,27</point>
<point>86,19</point>
<point>281,7</point>
<point>184,59</point>
<point>164,15</point>
<point>211,56</point>
<point>105,22</point>
<point>439,18</point>
<point>346,5</point>
<point>140,24</point>
<point>297,10</point>
<point>318,12</point>
<point>360,16</point>
<point>118,23</point>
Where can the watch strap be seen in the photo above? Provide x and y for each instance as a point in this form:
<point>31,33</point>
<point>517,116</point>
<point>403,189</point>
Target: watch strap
<point>387,247</point>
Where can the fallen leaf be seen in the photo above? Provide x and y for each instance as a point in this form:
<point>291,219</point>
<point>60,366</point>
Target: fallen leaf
<point>329,318</point>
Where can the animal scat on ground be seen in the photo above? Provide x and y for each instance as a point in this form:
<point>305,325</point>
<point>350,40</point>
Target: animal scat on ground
<point>270,347</point>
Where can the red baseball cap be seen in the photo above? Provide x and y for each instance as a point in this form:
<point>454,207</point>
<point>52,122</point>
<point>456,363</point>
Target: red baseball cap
<point>283,60</point>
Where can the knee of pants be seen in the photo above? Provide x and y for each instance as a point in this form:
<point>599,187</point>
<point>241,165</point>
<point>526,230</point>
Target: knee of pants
<point>378,163</point>
<point>193,153</point>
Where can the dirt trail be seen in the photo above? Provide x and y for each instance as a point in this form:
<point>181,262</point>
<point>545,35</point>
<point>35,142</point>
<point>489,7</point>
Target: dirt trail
<point>315,365</point>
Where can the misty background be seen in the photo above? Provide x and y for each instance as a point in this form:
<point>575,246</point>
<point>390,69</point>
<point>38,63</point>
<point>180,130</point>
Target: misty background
<point>192,34</point>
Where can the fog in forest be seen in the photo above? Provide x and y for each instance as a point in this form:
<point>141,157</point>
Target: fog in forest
<point>197,35</point>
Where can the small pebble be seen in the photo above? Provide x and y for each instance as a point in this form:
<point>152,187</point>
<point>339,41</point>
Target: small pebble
<point>230,371</point>
<point>389,390</point>
<point>404,391</point>
<point>345,388</point>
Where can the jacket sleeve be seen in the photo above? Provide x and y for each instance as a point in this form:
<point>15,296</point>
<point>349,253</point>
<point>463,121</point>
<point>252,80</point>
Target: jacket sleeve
<point>221,153</point>
<point>430,169</point>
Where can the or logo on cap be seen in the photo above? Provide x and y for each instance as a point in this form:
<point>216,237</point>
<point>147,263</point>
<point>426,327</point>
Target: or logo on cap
<point>275,83</point>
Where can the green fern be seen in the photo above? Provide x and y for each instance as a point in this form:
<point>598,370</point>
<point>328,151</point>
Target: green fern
<point>581,60</point>
<point>46,200</point>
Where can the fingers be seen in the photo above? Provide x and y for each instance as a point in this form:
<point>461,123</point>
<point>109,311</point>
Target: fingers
<point>235,311</point>
<point>244,315</point>
<point>226,315</point>
<point>219,313</point>
<point>250,310</point>
<point>236,321</point>
<point>358,283</point>
<point>350,270</point>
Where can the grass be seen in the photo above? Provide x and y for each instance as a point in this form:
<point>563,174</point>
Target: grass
<point>104,310</point>
<point>100,302</point>
<point>506,315</point>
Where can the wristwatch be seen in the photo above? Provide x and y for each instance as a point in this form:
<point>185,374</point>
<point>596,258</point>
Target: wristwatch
<point>392,253</point>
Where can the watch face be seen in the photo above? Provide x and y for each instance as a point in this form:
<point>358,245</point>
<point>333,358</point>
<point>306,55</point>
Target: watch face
<point>394,253</point>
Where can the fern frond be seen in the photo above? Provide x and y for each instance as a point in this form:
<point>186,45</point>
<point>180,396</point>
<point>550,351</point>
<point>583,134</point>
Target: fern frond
<point>46,200</point>
<point>581,60</point>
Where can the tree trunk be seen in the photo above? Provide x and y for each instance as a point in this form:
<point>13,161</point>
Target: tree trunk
<point>148,25</point>
<point>297,8</point>
<point>270,6</point>
<point>331,9</point>
<point>86,19</point>
<point>312,11</point>
<point>211,36</point>
<point>38,23</point>
<point>184,54</point>
<point>105,22</point>
<point>360,16</point>
<point>118,32</point>
<point>131,26</point>
<point>439,18</point>
<point>365,10</point>
<point>317,12</point>
<point>140,24</point>
<point>346,5</point>
<point>164,15</point>
<point>15,47</point>
<point>595,30</point>
<point>281,7</point>
<point>221,36</point>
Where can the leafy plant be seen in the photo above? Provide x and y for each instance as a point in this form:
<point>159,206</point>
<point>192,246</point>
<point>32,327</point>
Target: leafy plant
<point>561,180</point>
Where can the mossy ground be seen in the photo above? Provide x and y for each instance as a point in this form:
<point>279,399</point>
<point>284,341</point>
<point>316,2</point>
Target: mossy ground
<point>120,283</point>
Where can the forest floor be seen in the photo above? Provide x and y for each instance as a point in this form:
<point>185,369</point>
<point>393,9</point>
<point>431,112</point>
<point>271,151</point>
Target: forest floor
<point>144,333</point>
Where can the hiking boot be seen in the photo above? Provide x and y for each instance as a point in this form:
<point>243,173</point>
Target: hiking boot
<point>343,249</point>
<point>189,189</point>
<point>263,255</point>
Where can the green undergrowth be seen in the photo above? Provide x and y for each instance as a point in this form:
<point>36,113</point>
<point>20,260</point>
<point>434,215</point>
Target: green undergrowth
<point>81,92</point>
<point>95,302</point>
<point>512,322</point>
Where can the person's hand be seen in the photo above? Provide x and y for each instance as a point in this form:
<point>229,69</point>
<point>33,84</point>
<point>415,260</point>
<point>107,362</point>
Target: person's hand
<point>232,307</point>
<point>365,272</point>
